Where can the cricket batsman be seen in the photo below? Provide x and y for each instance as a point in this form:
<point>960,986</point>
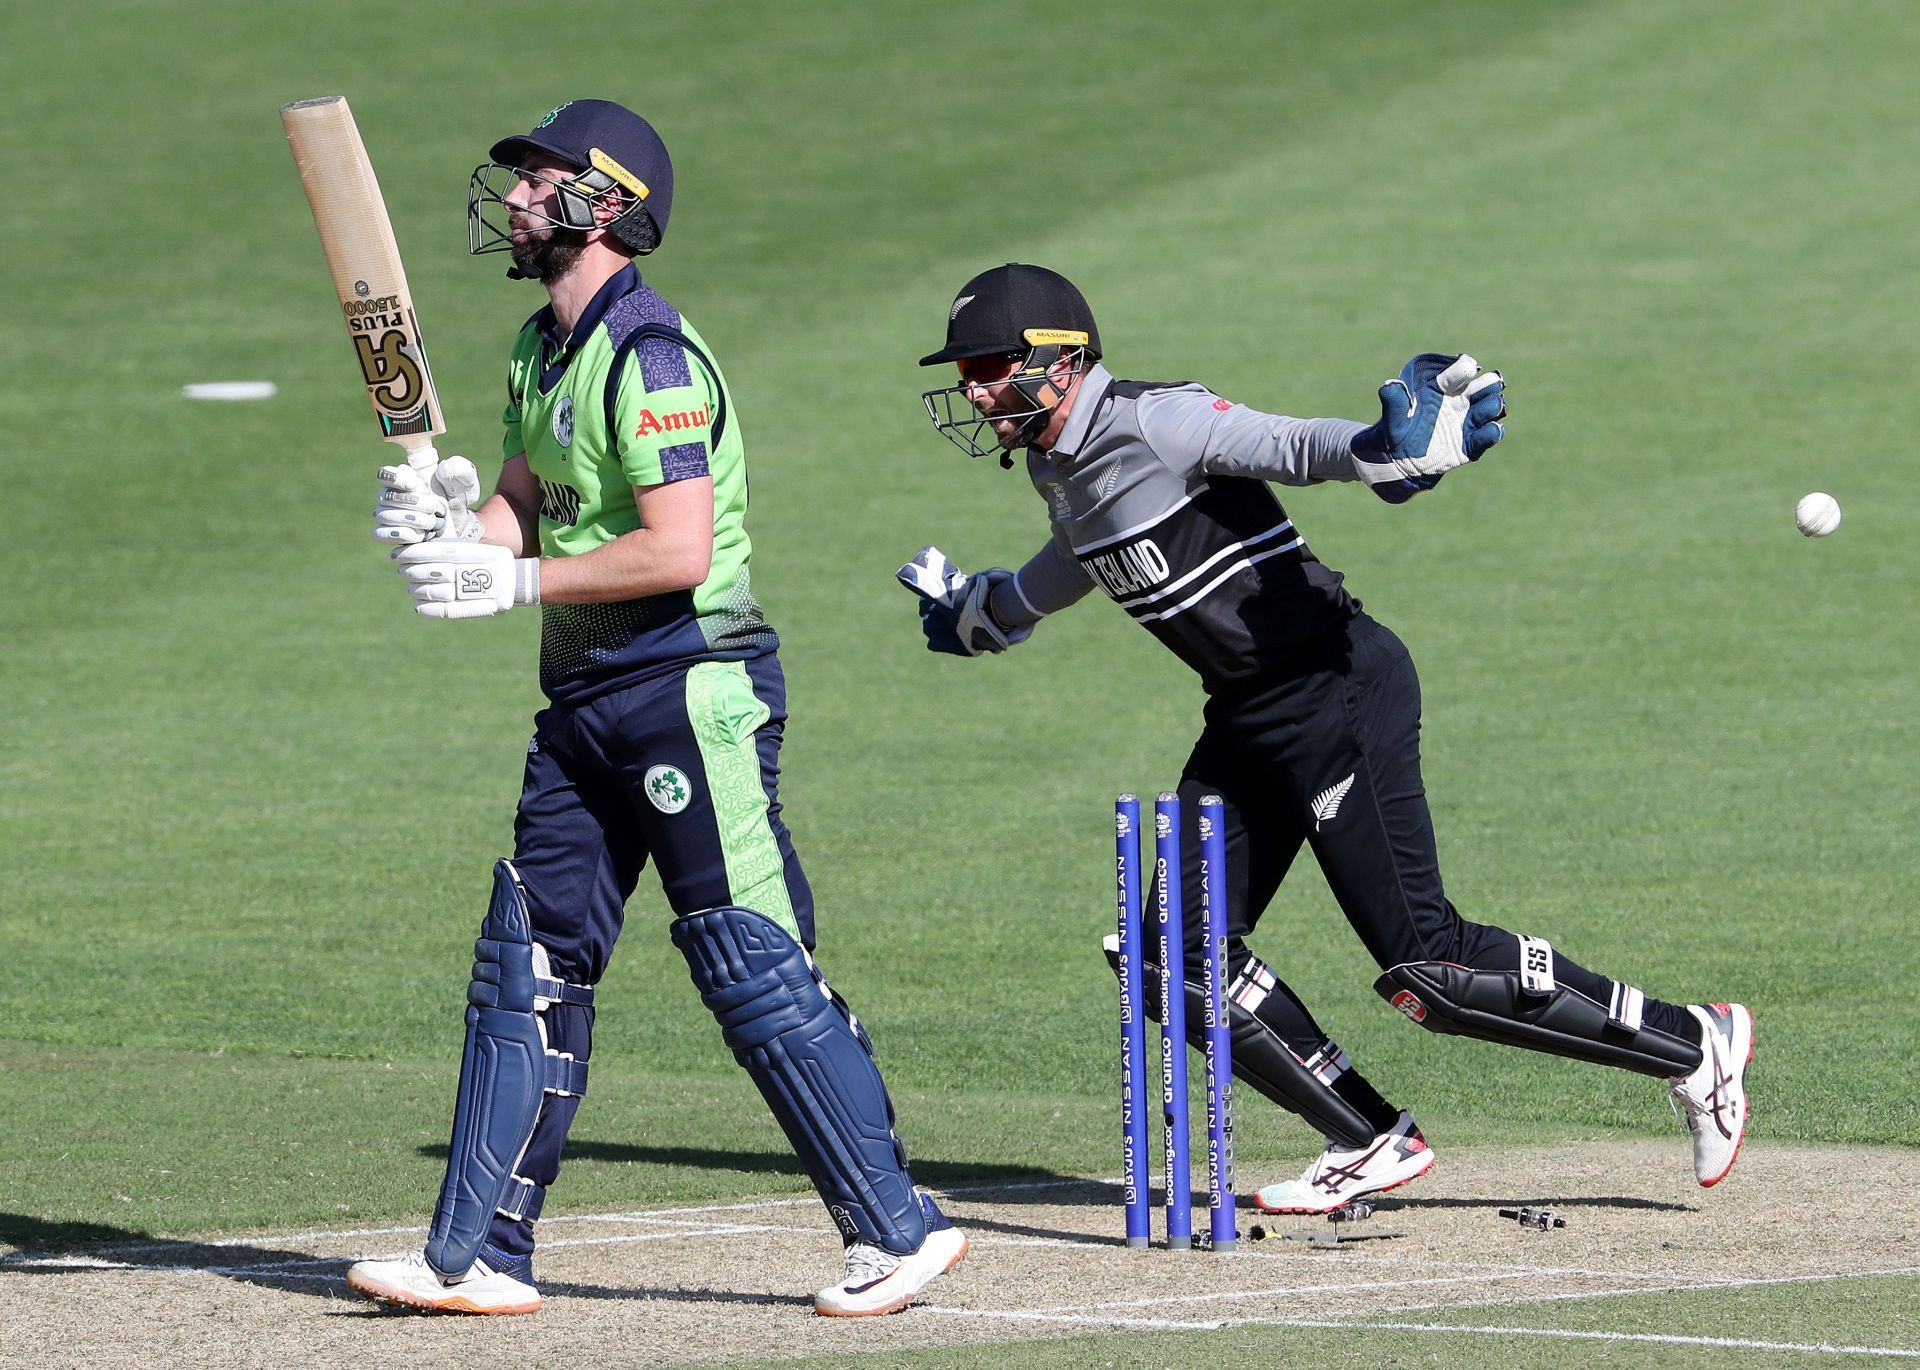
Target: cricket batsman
<point>620,512</point>
<point>1160,496</point>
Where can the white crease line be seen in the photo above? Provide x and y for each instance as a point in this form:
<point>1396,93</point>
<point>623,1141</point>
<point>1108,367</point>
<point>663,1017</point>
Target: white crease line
<point>1016,1315</point>
<point>1741,1343</point>
<point>1245,1251</point>
<point>680,1231</point>
<point>625,1238</point>
<point>266,1240</point>
<point>679,1234</point>
<point>693,1223</point>
<point>1088,1312</point>
<point>1680,1287</point>
<point>1284,1291</point>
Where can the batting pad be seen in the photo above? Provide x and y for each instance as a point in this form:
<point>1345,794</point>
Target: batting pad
<point>505,1070</point>
<point>812,1066</point>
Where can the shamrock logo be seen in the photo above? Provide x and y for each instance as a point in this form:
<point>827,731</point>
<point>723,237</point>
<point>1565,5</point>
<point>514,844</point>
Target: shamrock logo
<point>668,788</point>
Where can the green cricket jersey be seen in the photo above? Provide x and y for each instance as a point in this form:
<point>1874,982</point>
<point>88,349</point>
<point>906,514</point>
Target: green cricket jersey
<point>613,406</point>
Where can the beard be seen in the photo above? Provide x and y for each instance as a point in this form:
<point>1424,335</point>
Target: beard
<point>547,254</point>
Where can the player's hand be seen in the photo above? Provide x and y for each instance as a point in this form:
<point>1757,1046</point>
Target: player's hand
<point>954,610</point>
<point>1440,412</point>
<point>450,579</point>
<point>414,507</point>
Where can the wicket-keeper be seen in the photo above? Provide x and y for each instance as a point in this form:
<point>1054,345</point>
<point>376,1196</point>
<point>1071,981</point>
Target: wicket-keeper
<point>1160,496</point>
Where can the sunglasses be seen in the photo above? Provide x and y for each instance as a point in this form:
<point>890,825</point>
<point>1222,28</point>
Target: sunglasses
<point>989,370</point>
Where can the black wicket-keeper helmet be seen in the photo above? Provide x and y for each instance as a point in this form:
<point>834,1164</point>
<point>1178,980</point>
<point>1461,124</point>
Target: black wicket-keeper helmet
<point>619,158</point>
<point>1010,325</point>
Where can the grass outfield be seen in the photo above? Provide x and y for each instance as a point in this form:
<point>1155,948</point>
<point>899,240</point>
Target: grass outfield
<point>249,802</point>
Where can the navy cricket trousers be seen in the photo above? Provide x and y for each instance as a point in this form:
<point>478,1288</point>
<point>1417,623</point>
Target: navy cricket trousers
<point>1330,759</point>
<point>681,771</point>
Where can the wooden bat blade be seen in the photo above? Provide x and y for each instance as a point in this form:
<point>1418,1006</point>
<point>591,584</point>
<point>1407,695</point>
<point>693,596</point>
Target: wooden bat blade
<point>364,259</point>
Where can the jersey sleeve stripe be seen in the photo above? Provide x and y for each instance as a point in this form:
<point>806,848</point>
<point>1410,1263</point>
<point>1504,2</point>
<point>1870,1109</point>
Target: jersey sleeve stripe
<point>683,461</point>
<point>663,366</point>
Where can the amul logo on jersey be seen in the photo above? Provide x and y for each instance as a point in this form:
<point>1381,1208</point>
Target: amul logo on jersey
<point>672,423</point>
<point>1128,570</point>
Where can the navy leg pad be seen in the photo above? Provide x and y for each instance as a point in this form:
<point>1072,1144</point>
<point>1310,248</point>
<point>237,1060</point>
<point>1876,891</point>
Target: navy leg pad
<point>813,1067</point>
<point>505,1072</point>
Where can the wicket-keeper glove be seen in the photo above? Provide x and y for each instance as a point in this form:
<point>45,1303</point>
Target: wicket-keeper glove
<point>449,579</point>
<point>413,507</point>
<point>1438,413</point>
<point>954,613</point>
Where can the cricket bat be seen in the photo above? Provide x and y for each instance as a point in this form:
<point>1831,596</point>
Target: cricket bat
<point>368,279</point>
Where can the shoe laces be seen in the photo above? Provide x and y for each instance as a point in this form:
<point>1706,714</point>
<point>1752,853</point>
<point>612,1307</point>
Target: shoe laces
<point>1692,1109</point>
<point>866,1263</point>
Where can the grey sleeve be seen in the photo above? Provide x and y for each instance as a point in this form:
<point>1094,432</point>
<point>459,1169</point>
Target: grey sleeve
<point>1050,581</point>
<point>1191,425</point>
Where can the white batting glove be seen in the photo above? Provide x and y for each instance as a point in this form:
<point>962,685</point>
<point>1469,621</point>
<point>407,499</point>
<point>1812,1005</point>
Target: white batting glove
<point>413,507</point>
<point>450,579</point>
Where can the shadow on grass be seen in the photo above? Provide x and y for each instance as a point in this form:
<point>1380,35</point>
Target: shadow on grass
<point>1390,1205</point>
<point>1010,1183</point>
<point>75,1248</point>
<point>681,1295</point>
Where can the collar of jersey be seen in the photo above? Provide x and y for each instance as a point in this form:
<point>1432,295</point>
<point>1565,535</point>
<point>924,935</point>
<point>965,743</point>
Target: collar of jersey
<point>623,282</point>
<point>1093,389</point>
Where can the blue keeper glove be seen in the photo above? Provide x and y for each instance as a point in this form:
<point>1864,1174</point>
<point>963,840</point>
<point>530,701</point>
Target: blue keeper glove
<point>1440,412</point>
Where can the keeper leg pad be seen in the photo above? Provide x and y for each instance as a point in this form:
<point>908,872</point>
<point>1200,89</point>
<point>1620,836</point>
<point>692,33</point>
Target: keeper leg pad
<point>1261,1058</point>
<point>1530,1009</point>
<point>506,1070</point>
<point>813,1066</point>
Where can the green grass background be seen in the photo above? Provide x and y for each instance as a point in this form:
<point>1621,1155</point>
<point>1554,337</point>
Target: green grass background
<point>248,802</point>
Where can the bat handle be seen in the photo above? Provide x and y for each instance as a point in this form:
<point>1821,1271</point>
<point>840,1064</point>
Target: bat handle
<point>422,457</point>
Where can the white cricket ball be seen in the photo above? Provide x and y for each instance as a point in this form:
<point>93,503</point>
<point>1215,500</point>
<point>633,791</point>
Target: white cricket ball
<point>1817,514</point>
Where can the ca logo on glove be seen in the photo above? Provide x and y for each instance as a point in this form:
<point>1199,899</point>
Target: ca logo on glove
<point>476,582</point>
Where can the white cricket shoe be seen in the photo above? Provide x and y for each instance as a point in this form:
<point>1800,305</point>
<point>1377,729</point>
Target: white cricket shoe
<point>880,1282</point>
<point>1341,1175</point>
<point>411,1283</point>
<point>1712,1101</point>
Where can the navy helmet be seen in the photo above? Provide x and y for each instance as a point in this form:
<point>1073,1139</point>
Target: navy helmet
<point>617,157</point>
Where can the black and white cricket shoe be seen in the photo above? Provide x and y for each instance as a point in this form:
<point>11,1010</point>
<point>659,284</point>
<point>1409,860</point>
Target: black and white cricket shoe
<point>1341,1175</point>
<point>1712,1101</point>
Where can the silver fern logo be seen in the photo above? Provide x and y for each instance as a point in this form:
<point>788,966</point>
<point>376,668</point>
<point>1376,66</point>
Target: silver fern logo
<point>1326,804</point>
<point>959,305</point>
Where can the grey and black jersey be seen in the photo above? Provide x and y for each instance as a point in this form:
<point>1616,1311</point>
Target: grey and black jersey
<point>1159,496</point>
